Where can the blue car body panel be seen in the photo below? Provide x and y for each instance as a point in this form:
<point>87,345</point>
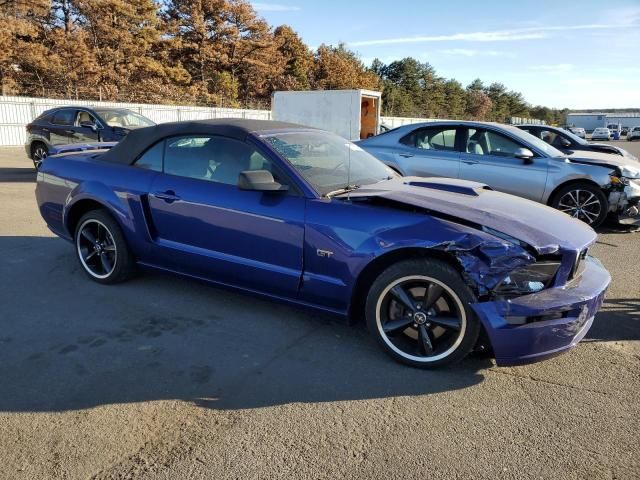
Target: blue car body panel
<point>314,251</point>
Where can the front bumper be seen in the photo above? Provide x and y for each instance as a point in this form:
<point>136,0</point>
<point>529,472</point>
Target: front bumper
<point>577,302</point>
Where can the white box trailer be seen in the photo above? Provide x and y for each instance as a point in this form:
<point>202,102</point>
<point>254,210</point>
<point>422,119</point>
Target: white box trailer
<point>352,114</point>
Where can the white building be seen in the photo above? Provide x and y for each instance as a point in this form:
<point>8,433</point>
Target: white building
<point>591,121</point>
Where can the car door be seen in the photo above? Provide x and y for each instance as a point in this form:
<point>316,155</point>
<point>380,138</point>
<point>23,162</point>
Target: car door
<point>84,133</point>
<point>429,151</point>
<point>206,224</point>
<point>489,157</point>
<point>62,127</point>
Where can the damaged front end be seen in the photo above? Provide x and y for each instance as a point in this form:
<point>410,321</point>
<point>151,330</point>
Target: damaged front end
<point>540,307</point>
<point>533,304</point>
<point>537,288</point>
<point>624,195</point>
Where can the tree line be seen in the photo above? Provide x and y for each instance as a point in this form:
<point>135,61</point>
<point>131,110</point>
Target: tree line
<point>212,52</point>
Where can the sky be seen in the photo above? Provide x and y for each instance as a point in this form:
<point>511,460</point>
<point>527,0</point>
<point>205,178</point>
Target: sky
<point>575,54</point>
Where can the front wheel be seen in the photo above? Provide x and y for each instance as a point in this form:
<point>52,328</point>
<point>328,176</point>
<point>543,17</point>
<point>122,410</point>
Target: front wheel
<point>101,248</point>
<point>583,201</point>
<point>419,312</point>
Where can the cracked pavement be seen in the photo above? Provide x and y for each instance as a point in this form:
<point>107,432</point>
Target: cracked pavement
<point>169,378</point>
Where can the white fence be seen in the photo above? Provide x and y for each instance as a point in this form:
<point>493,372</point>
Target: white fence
<point>393,122</point>
<point>17,112</point>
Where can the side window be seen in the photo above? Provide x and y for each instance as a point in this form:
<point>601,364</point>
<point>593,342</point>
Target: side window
<point>85,117</point>
<point>435,138</point>
<point>152,158</point>
<point>212,158</point>
<point>64,117</point>
<point>552,138</point>
<point>485,142</point>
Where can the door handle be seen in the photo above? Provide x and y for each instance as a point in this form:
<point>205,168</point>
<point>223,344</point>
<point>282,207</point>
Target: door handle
<point>169,196</point>
<point>470,162</point>
<point>406,155</point>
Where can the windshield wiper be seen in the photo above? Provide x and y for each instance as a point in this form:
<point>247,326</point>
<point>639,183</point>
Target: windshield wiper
<point>340,191</point>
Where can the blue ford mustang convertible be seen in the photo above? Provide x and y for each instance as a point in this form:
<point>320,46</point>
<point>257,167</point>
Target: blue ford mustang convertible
<point>433,265</point>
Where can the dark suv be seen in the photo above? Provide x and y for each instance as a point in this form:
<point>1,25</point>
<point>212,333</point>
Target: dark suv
<point>568,142</point>
<point>68,125</point>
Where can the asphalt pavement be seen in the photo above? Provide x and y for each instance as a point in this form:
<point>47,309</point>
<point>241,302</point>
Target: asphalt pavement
<point>169,378</point>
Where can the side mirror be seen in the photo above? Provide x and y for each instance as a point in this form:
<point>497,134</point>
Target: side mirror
<point>524,154</point>
<point>259,180</point>
<point>90,125</point>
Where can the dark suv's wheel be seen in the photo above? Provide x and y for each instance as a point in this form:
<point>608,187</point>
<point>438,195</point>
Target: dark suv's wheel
<point>419,312</point>
<point>583,201</point>
<point>101,248</point>
<point>39,152</point>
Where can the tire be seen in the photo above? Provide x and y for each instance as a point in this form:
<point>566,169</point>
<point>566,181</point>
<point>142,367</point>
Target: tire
<point>39,152</point>
<point>101,248</point>
<point>565,201</point>
<point>450,342</point>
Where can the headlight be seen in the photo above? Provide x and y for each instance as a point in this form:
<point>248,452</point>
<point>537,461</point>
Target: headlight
<point>629,171</point>
<point>529,279</point>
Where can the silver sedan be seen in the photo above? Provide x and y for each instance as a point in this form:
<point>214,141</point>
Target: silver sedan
<point>586,185</point>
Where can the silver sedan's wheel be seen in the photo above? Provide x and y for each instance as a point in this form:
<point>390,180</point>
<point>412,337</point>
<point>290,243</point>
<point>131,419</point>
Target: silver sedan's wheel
<point>585,203</point>
<point>96,249</point>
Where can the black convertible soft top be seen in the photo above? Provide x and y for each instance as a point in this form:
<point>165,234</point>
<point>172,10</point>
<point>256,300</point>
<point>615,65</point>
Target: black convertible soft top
<point>137,141</point>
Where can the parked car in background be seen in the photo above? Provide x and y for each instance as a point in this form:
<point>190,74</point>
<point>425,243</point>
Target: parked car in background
<point>569,143</point>
<point>601,133</point>
<point>633,133</point>
<point>302,215</point>
<point>578,131</point>
<point>79,125</point>
<point>616,130</point>
<point>585,185</point>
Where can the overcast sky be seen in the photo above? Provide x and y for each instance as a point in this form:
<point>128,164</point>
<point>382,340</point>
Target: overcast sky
<point>581,54</point>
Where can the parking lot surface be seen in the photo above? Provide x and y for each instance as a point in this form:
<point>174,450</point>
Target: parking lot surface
<point>164,377</point>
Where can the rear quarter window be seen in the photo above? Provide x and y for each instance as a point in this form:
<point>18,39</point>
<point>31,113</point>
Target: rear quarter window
<point>64,117</point>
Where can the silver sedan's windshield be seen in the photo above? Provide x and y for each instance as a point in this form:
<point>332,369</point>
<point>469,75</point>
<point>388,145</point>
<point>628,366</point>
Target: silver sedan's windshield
<point>534,141</point>
<point>328,162</point>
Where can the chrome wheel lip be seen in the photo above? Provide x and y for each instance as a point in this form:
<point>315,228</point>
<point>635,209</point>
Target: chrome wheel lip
<point>87,268</point>
<point>414,358</point>
<point>578,209</point>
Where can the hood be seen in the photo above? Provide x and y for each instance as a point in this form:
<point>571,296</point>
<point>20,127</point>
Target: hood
<point>614,149</point>
<point>543,228</point>
<point>623,163</point>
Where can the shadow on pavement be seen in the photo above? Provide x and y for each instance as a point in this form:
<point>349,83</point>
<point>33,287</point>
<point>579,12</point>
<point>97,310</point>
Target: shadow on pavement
<point>17,175</point>
<point>619,320</point>
<point>69,343</point>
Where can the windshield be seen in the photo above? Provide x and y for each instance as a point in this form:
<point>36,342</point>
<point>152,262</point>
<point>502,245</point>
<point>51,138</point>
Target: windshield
<point>534,141</point>
<point>124,118</point>
<point>328,162</point>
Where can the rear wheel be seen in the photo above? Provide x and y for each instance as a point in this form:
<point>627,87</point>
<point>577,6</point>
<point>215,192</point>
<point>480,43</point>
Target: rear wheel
<point>101,248</point>
<point>583,201</point>
<point>419,312</point>
<point>39,152</point>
